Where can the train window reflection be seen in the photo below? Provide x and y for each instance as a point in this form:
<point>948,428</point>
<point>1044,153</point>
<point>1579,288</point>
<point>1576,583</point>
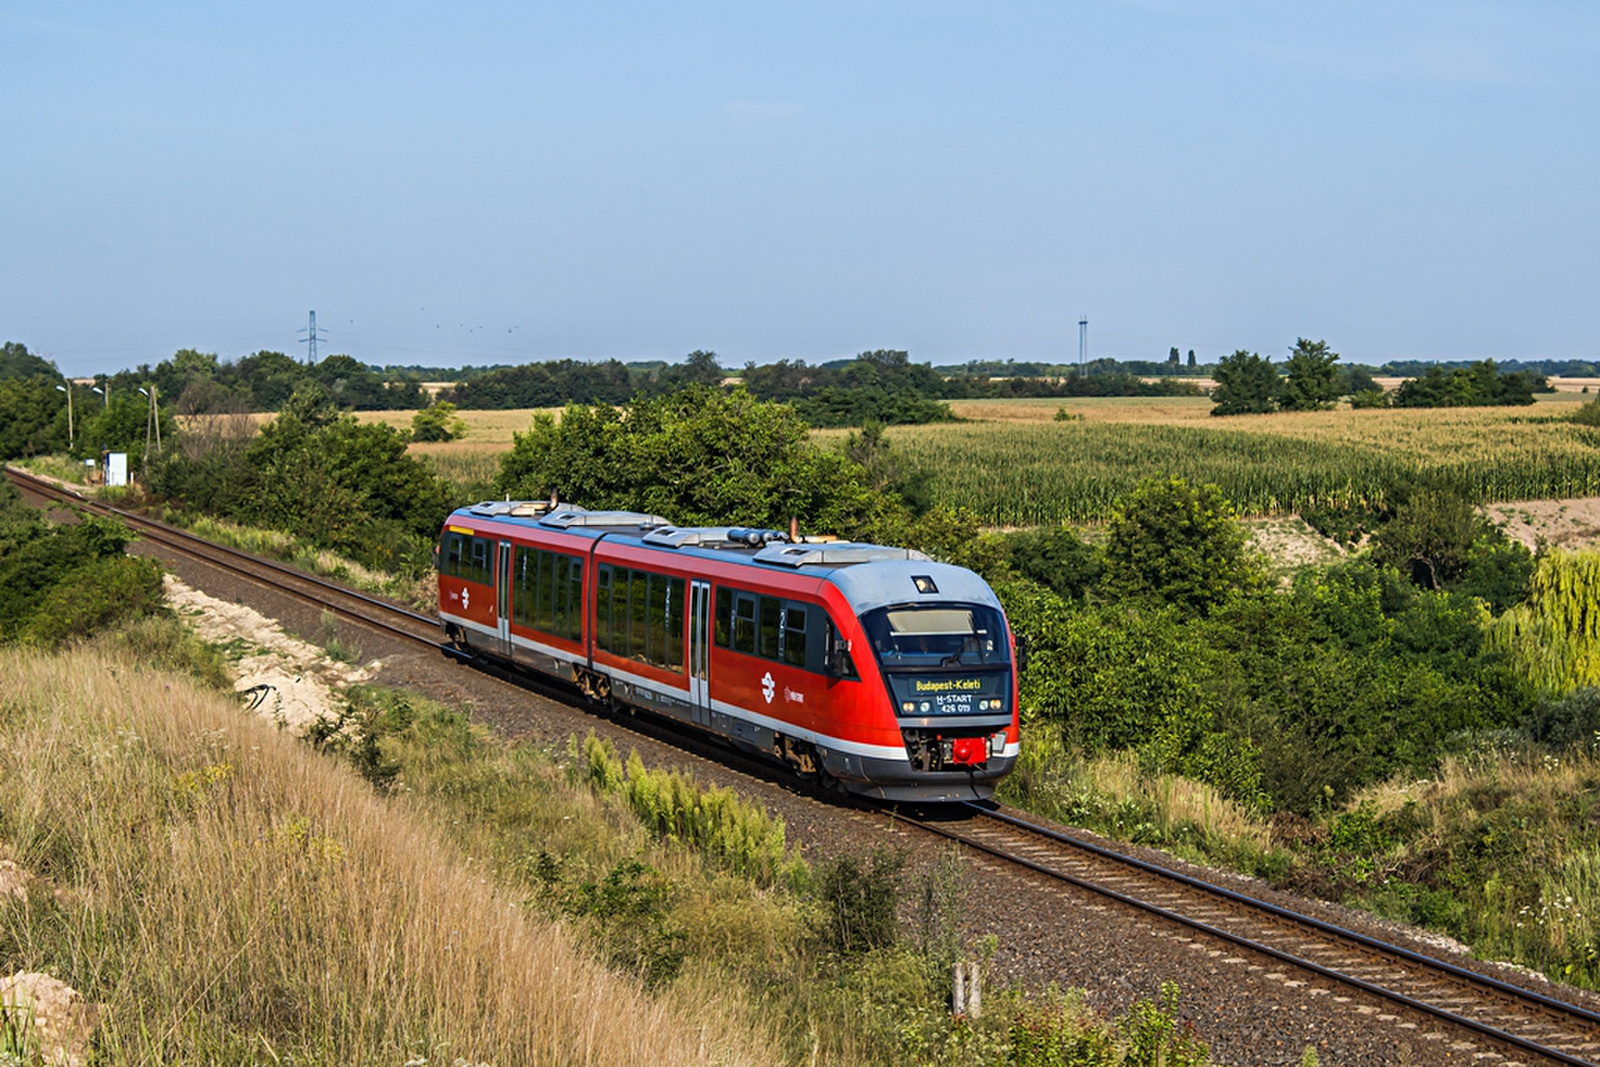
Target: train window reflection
<point>947,635</point>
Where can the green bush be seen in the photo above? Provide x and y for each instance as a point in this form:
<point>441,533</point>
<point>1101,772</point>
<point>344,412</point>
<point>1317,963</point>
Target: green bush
<point>93,597</point>
<point>859,901</point>
<point>1178,544</point>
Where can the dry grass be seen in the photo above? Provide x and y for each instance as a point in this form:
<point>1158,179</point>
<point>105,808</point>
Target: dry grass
<point>1429,433</point>
<point>485,429</point>
<point>1178,802</point>
<point>230,897</point>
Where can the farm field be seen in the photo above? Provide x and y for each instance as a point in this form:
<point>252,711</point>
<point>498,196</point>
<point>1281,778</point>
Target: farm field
<point>1020,467</point>
<point>1013,464</point>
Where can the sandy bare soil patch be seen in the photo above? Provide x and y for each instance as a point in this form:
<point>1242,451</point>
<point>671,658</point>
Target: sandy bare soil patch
<point>1573,523</point>
<point>62,1021</point>
<point>290,681</point>
<point>1290,543</point>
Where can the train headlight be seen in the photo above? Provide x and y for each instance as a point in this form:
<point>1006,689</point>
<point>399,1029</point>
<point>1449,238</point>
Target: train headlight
<point>908,707</point>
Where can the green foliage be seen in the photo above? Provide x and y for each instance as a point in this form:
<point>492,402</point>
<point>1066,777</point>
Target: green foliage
<point>630,909</point>
<point>1571,722</point>
<point>1479,385</point>
<point>1057,559</point>
<point>39,556</point>
<point>1246,385</point>
<point>17,362</point>
<point>1057,1030</point>
<point>209,468</point>
<point>859,901</point>
<point>1177,544</point>
<point>1554,637</point>
<point>1429,535</point>
<point>1363,399</point>
<point>1499,571</point>
<point>1151,1034</point>
<point>698,456</point>
<point>732,833</point>
<point>884,387</point>
<point>124,425</point>
<point>438,422</point>
<point>92,597</point>
<point>30,410</point>
<point>1587,415</point>
<point>1311,382</point>
<point>544,385</point>
<point>342,485</point>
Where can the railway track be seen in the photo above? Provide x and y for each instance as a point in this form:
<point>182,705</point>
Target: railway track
<point>1520,1024</point>
<point>341,600</point>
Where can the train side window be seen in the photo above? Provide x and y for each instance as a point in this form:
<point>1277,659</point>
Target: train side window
<point>482,565</point>
<point>602,606</point>
<point>744,623</point>
<point>675,612</point>
<point>575,599</point>
<point>656,653</point>
<point>638,614</point>
<point>450,554</point>
<point>771,611</point>
<point>723,634</point>
<point>520,586</point>
<point>836,654</point>
<point>794,634</point>
<point>560,582</point>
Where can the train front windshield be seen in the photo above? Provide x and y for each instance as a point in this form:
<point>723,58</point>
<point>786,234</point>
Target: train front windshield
<point>933,636</point>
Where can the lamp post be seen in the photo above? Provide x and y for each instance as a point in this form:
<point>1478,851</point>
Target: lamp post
<point>106,392</point>
<point>71,436</point>
<point>151,420</point>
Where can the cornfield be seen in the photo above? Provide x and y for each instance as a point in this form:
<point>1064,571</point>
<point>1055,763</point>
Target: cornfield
<point>1027,474</point>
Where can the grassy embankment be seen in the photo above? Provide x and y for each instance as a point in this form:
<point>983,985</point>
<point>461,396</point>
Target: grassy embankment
<point>437,896</point>
<point>1498,849</point>
<point>228,899</point>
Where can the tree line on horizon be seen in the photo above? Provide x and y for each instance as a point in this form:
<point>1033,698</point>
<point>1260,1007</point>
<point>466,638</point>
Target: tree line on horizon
<point>883,386</point>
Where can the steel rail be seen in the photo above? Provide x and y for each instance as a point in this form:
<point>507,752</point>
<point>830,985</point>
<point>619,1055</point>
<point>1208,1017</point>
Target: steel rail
<point>1524,999</point>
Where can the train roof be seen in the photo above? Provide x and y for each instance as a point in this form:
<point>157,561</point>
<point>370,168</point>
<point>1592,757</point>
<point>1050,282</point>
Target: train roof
<point>870,576</point>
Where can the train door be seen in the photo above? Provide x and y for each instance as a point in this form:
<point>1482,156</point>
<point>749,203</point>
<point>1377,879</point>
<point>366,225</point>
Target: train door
<point>502,599</point>
<point>699,652</point>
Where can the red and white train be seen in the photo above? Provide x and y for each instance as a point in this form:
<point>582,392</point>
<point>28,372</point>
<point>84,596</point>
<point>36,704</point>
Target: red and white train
<point>872,668</point>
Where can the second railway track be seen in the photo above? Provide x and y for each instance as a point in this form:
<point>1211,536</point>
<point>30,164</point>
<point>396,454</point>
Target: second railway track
<point>1520,1025</point>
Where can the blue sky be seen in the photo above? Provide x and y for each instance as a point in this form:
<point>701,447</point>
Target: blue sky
<point>481,183</point>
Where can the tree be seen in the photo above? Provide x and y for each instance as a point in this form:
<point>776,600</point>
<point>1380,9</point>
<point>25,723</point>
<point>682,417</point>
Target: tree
<point>30,409</point>
<point>1430,535</point>
<point>17,362</point>
<point>438,423</point>
<point>1176,543</point>
<point>1246,385</point>
<point>1172,360</point>
<point>697,457</point>
<point>1192,366</point>
<point>1312,382</point>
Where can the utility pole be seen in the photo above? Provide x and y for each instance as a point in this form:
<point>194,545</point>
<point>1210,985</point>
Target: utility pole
<point>310,339</point>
